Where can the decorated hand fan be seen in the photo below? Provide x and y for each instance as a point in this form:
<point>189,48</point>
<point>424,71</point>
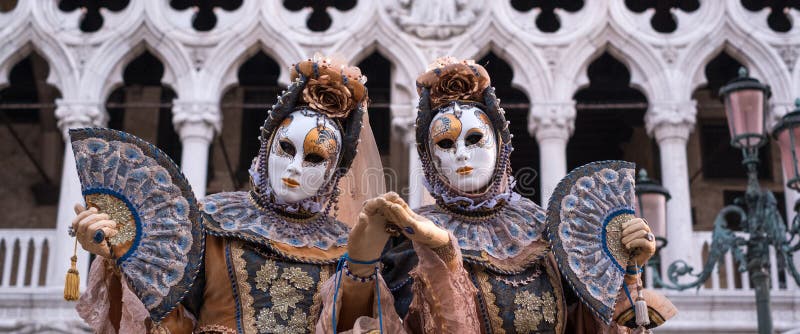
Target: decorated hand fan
<point>584,222</point>
<point>157,216</point>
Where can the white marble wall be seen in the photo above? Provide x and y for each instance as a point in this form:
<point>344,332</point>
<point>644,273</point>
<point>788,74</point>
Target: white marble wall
<point>548,67</point>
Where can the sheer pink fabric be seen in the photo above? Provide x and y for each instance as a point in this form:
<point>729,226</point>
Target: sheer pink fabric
<point>443,301</point>
<point>444,297</point>
<point>364,324</point>
<point>94,305</point>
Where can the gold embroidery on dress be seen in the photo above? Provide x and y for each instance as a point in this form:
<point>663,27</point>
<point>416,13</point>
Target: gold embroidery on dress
<point>266,323</point>
<point>246,300</point>
<point>316,306</point>
<point>486,291</point>
<point>298,278</point>
<point>265,275</point>
<point>554,276</point>
<point>215,329</point>
<point>532,309</point>
<point>286,289</point>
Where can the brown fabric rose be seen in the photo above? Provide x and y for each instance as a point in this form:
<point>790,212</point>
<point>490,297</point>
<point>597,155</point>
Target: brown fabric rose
<point>454,86</point>
<point>451,80</point>
<point>329,97</point>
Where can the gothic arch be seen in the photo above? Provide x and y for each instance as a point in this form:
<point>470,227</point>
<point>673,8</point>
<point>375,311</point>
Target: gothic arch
<point>405,62</point>
<point>224,62</point>
<point>57,58</point>
<point>104,70</point>
<point>531,75</point>
<point>768,69</point>
<point>645,69</point>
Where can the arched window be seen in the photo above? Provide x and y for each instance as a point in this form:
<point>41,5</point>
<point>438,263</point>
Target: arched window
<point>244,109</point>
<point>525,157</point>
<point>31,146</point>
<point>142,106</point>
<point>609,124</point>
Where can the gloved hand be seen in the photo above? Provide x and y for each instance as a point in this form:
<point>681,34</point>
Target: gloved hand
<point>415,227</point>
<point>87,223</point>
<point>639,240</point>
<point>368,236</point>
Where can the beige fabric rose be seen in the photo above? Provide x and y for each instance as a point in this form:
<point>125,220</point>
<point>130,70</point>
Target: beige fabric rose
<point>451,80</point>
<point>329,97</point>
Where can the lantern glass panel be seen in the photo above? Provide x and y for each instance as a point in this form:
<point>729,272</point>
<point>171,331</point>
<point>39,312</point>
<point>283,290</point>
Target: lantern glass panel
<point>745,111</point>
<point>788,140</point>
<point>653,208</point>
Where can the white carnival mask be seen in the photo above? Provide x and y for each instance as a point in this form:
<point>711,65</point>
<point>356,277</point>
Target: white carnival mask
<point>303,153</point>
<point>464,147</point>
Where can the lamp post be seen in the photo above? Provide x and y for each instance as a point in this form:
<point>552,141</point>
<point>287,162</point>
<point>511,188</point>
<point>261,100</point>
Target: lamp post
<point>651,204</point>
<point>745,102</point>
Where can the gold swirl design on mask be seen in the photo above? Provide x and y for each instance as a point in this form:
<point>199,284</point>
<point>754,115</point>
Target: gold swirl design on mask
<point>117,211</point>
<point>321,141</point>
<point>447,126</point>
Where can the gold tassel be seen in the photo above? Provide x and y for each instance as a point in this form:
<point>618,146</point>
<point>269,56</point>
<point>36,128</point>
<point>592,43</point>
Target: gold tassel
<point>640,306</point>
<point>72,285</point>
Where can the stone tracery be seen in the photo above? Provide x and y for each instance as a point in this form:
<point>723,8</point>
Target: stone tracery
<point>548,68</point>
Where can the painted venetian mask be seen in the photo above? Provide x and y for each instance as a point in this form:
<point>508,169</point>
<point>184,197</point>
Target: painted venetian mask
<point>463,146</point>
<point>302,156</point>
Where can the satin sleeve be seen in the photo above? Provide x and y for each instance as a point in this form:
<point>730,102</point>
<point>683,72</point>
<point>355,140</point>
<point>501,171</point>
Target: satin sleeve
<point>443,295</point>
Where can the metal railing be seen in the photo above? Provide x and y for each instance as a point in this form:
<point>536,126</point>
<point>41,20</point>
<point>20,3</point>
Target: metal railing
<point>726,275</point>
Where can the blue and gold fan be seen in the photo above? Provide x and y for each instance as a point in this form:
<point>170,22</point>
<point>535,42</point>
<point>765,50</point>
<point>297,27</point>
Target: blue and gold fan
<point>158,220</point>
<point>584,222</point>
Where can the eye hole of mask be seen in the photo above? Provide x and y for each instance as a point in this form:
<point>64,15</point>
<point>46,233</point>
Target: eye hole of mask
<point>473,137</point>
<point>314,158</point>
<point>287,147</point>
<point>445,143</point>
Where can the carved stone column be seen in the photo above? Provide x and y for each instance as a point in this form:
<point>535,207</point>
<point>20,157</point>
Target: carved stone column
<point>70,114</point>
<point>671,124</point>
<point>417,193</point>
<point>552,123</point>
<point>196,123</point>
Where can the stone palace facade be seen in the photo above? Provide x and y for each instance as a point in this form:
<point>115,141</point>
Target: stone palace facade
<point>582,80</point>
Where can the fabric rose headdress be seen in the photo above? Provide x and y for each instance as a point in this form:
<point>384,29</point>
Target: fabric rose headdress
<point>450,80</point>
<point>331,88</point>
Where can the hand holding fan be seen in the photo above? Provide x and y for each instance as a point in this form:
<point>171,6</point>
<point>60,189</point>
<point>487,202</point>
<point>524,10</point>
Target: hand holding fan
<point>159,241</point>
<point>584,217</point>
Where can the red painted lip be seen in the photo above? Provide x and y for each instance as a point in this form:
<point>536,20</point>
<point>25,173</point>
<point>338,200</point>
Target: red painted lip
<point>289,182</point>
<point>466,170</point>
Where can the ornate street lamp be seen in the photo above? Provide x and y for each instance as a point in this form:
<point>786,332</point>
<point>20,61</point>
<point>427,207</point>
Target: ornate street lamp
<point>651,204</point>
<point>651,200</point>
<point>745,102</point>
<point>787,133</point>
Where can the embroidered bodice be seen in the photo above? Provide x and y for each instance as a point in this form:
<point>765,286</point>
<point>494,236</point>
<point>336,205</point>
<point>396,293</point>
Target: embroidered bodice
<point>273,269</point>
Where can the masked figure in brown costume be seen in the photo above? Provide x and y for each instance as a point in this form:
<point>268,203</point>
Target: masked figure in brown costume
<point>479,260</point>
<point>266,251</point>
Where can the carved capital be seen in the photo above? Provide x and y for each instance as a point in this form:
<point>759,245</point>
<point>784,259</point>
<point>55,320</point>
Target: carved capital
<point>73,114</point>
<point>552,120</point>
<point>671,120</point>
<point>196,119</point>
<point>405,128</point>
